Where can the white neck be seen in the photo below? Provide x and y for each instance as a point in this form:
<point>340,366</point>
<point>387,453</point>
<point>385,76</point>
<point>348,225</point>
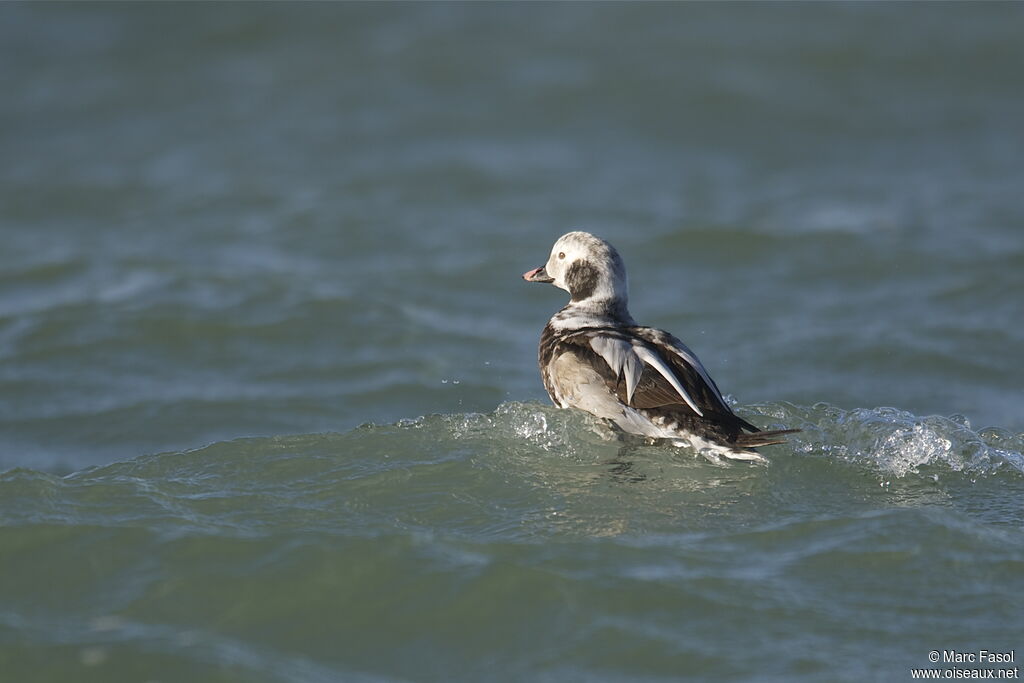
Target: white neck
<point>593,312</point>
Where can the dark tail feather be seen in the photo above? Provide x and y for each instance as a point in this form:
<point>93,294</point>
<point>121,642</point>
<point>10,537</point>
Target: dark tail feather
<point>758,439</point>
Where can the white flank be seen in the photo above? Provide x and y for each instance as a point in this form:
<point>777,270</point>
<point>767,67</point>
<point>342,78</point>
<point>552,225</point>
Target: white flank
<point>712,450</point>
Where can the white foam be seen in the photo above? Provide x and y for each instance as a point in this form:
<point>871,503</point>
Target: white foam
<point>897,442</point>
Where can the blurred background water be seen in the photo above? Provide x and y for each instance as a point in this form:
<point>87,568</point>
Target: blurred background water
<point>232,234</point>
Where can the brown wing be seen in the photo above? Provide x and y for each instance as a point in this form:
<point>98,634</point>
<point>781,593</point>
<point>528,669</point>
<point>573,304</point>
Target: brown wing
<point>654,392</point>
<point>653,389</point>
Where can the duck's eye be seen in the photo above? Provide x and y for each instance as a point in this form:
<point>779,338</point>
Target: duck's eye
<point>561,254</point>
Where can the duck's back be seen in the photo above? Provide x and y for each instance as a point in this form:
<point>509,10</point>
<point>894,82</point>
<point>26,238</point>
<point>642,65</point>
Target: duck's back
<point>645,381</point>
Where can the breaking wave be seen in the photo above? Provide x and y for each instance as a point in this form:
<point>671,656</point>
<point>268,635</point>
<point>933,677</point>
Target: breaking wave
<point>899,443</point>
<point>883,440</point>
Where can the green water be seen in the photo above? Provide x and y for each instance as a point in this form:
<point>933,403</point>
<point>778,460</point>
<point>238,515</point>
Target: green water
<point>517,545</point>
<point>269,404</point>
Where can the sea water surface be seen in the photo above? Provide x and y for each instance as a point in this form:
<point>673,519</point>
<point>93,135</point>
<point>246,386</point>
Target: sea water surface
<point>269,404</point>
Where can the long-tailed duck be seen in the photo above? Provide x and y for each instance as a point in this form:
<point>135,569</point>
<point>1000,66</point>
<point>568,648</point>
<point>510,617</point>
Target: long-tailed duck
<point>593,356</point>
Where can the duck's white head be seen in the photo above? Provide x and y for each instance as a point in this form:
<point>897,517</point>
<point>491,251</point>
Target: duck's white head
<point>588,268</point>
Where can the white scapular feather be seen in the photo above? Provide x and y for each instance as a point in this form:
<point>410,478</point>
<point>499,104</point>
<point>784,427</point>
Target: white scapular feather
<point>634,368</point>
<point>687,355</point>
<point>651,358</point>
<point>619,355</point>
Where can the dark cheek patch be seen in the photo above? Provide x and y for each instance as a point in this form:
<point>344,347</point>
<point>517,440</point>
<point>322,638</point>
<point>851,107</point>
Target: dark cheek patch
<point>581,278</point>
